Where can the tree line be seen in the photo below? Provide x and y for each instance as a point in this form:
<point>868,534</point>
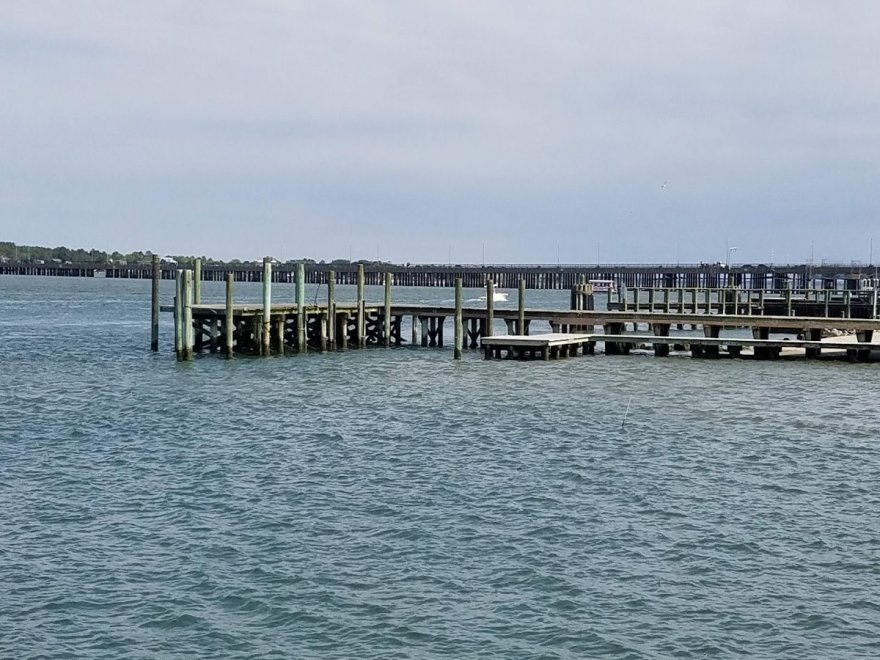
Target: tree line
<point>37,253</point>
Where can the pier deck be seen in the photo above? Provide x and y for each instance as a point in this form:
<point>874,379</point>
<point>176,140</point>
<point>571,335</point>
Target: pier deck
<point>559,345</point>
<point>545,346</point>
<point>280,328</point>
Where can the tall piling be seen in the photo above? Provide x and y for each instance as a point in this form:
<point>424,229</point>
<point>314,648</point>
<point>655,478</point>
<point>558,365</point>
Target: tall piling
<point>490,307</point>
<point>197,281</point>
<point>230,315</point>
<point>154,318</point>
<point>361,309</point>
<point>188,334</point>
<point>266,333</point>
<point>521,308</point>
<point>331,310</point>
<point>302,334</point>
<point>386,316</point>
<point>456,354</point>
<point>178,316</point>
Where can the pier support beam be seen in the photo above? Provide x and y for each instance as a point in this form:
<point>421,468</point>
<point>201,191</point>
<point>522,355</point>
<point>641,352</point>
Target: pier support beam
<point>331,310</point>
<point>458,324</point>
<point>814,334</point>
<point>423,324</point>
<point>154,318</point>
<point>386,316</point>
<point>197,281</point>
<point>490,307</point>
<point>301,318</point>
<point>178,316</point>
<point>230,315</point>
<point>661,330</point>
<point>361,309</point>
<point>188,337</point>
<point>763,352</point>
<point>521,309</point>
<point>266,335</point>
<point>713,331</point>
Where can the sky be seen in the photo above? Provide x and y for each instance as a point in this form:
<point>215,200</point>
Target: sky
<point>412,131</point>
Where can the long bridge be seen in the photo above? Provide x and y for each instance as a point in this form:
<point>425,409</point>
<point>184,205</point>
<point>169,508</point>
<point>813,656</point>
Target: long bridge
<point>852,276</point>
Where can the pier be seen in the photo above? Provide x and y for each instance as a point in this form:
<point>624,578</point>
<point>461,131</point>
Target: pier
<point>839,277</point>
<point>276,329</point>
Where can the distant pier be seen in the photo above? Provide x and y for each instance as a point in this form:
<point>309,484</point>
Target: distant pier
<point>850,277</point>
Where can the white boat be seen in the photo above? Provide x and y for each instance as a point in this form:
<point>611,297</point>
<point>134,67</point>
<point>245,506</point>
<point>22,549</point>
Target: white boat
<point>497,296</point>
<point>603,285</point>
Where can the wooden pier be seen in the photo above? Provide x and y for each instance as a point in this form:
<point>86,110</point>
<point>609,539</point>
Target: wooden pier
<point>839,277</point>
<point>276,329</point>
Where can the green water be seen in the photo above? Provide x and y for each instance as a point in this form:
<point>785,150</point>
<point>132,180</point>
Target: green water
<point>393,503</point>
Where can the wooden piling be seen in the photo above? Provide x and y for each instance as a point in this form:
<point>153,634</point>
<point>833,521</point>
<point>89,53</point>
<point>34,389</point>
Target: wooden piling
<point>301,318</point>
<point>386,316</point>
<point>331,310</point>
<point>178,316</point>
<point>458,317</point>
<point>280,322</point>
<point>266,335</point>
<point>230,315</point>
<point>490,307</point>
<point>521,316</point>
<point>188,335</point>
<point>154,318</point>
<point>197,281</point>
<point>361,309</point>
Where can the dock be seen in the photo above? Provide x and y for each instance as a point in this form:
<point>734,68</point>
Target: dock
<point>269,328</point>
<point>770,277</point>
<point>552,345</point>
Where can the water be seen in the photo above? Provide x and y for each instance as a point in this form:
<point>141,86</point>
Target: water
<point>393,503</point>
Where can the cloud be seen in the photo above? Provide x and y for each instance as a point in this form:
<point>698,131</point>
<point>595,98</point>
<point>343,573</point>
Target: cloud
<point>428,124</point>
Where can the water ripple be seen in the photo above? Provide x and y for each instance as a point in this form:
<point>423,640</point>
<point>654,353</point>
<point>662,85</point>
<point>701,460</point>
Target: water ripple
<point>386,504</point>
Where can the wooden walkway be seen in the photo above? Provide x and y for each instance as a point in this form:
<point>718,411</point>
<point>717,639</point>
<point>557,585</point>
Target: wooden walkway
<point>561,345</point>
<point>280,328</point>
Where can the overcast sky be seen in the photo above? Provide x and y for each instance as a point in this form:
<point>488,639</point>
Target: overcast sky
<point>423,131</point>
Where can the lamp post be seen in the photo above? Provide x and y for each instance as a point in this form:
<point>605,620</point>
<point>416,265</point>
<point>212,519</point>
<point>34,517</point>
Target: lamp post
<point>730,251</point>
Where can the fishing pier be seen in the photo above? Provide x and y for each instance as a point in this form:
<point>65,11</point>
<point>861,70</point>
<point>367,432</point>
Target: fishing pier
<point>266,329</point>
